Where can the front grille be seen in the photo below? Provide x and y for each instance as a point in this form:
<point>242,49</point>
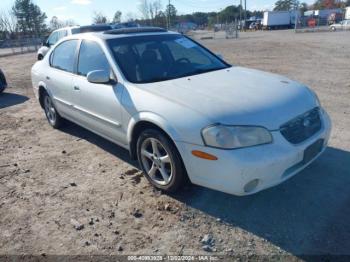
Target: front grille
<point>302,127</point>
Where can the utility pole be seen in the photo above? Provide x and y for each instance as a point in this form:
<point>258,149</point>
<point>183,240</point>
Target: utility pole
<point>168,15</point>
<point>240,11</point>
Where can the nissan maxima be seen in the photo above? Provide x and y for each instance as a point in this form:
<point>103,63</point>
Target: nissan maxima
<point>182,111</point>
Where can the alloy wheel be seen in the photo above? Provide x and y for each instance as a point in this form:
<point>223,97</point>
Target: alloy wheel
<point>157,161</point>
<point>50,110</point>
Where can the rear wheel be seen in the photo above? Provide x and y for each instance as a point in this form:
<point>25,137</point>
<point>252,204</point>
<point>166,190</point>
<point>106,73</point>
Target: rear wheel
<point>160,161</point>
<point>3,83</point>
<point>54,119</point>
<point>333,28</point>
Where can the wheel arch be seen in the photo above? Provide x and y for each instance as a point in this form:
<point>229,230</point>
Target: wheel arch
<point>40,57</point>
<point>146,120</point>
<point>41,91</point>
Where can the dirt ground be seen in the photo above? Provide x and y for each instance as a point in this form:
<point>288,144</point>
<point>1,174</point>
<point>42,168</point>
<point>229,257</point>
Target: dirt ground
<point>52,180</point>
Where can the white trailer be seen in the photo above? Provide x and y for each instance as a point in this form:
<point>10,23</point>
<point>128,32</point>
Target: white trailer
<point>279,19</point>
<point>347,12</point>
<point>325,13</point>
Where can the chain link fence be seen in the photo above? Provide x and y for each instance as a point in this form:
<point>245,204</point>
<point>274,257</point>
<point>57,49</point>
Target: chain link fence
<point>19,46</point>
<point>219,31</point>
<point>322,24</point>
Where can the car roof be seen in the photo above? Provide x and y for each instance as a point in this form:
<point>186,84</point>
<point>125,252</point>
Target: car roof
<point>65,28</point>
<point>96,26</point>
<point>122,33</point>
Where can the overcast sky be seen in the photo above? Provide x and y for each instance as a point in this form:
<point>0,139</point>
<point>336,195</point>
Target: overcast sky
<point>81,10</point>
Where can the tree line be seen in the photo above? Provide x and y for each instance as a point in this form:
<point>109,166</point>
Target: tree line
<point>152,13</point>
<point>25,18</point>
<point>287,5</point>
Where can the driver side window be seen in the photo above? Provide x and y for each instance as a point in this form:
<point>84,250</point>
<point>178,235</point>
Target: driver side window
<point>91,58</point>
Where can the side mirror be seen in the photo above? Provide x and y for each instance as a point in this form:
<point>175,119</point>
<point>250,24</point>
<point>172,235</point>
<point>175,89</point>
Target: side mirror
<point>47,44</point>
<point>99,77</point>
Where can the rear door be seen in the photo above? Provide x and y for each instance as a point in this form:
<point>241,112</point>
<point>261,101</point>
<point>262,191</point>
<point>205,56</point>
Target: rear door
<point>98,105</point>
<point>59,75</point>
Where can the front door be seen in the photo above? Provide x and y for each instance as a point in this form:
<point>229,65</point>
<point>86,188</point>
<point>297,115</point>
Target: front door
<point>98,105</point>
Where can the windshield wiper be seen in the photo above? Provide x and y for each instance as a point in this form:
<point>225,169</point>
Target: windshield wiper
<point>202,71</point>
<point>156,79</point>
<point>194,72</point>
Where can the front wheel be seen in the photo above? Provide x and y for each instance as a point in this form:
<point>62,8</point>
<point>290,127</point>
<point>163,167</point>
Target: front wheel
<point>160,161</point>
<point>54,119</point>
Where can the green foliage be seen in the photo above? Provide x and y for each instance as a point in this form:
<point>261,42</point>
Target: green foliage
<point>99,18</point>
<point>30,19</point>
<point>171,13</point>
<point>117,17</point>
<point>286,5</point>
<point>231,13</point>
<point>330,4</point>
<point>303,7</point>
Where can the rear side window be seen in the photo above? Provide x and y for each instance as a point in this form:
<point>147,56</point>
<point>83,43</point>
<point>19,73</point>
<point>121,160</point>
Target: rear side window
<point>91,58</point>
<point>63,57</point>
<point>53,38</point>
<point>62,33</point>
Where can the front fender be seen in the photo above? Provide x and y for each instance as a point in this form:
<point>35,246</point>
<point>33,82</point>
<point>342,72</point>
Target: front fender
<point>154,119</point>
<point>43,50</point>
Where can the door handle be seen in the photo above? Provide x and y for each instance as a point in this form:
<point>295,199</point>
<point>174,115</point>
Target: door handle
<point>47,77</point>
<point>76,88</point>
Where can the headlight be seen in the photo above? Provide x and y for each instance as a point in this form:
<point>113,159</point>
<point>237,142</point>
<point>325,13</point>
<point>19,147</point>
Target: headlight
<point>230,137</point>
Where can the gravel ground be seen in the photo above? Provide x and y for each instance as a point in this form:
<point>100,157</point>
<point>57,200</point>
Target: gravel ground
<point>71,192</point>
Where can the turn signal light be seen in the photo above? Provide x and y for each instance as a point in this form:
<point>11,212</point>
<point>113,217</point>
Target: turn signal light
<point>204,155</point>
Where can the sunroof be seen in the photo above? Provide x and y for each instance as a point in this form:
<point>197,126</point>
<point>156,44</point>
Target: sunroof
<point>132,30</point>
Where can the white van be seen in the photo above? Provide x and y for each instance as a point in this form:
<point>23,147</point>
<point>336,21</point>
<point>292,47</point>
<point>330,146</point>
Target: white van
<point>58,34</point>
<point>54,37</point>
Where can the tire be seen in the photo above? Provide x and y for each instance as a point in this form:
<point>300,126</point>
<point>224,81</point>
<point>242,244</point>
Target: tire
<point>52,116</point>
<point>333,29</point>
<point>3,83</point>
<point>157,154</point>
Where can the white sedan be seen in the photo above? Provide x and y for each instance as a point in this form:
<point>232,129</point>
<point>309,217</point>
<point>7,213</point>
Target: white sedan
<point>181,110</point>
<point>343,25</point>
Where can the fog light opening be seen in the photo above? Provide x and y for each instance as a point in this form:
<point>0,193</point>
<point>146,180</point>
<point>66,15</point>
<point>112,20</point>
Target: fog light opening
<point>251,186</point>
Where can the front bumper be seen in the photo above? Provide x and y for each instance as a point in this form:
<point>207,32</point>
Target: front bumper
<point>270,164</point>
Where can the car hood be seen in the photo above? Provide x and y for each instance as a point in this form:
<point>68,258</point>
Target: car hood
<point>238,96</point>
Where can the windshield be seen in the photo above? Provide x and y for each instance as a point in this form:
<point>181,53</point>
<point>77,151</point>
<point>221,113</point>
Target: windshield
<point>153,58</point>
